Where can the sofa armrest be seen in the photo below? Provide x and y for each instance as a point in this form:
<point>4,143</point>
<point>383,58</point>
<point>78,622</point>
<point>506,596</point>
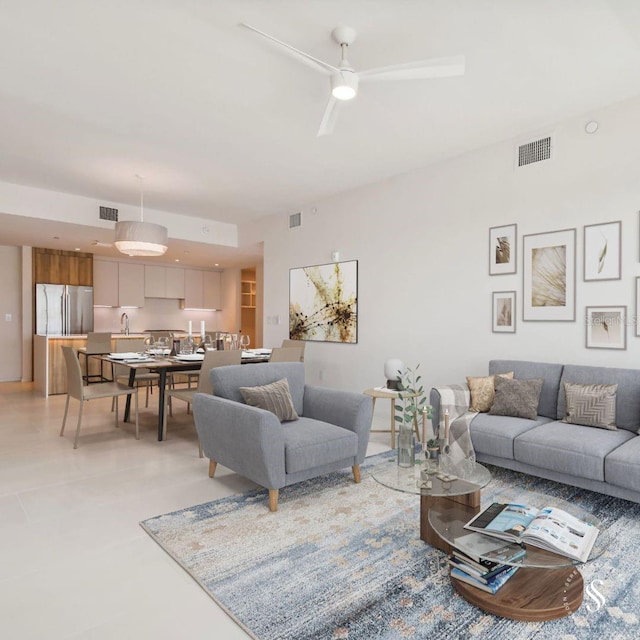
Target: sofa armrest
<point>345,409</point>
<point>246,439</point>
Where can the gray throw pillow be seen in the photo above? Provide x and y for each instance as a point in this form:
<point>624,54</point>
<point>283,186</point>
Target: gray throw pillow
<point>518,398</point>
<point>274,397</point>
<point>591,405</point>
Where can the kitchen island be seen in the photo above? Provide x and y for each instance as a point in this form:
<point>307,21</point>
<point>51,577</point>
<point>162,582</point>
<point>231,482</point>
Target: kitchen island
<point>49,372</point>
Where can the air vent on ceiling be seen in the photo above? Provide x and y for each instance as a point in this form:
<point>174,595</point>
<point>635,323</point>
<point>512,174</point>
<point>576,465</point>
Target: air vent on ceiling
<point>535,151</point>
<point>107,213</point>
<point>295,220</point>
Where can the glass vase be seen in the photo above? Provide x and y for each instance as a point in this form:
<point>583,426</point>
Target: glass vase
<point>406,446</point>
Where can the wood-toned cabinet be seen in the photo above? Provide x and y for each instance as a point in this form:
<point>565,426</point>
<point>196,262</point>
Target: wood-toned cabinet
<point>118,284</point>
<point>163,282</point>
<point>202,289</point>
<point>55,266</point>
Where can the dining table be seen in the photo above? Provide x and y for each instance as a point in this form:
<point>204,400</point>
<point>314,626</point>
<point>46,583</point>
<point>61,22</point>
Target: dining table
<point>169,364</point>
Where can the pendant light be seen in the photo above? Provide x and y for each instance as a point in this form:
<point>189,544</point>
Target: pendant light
<point>141,238</point>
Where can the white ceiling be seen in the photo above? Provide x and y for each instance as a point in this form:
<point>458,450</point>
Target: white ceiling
<point>223,126</point>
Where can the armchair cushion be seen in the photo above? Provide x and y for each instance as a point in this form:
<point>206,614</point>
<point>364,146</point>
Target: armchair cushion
<point>274,397</point>
<point>311,443</point>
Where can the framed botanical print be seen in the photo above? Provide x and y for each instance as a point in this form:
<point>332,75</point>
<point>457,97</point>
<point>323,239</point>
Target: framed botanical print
<point>549,275</point>
<point>602,252</point>
<point>606,327</point>
<point>504,312</point>
<point>502,249</point>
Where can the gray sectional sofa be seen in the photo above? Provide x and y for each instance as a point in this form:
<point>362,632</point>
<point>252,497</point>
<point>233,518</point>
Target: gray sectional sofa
<point>601,460</point>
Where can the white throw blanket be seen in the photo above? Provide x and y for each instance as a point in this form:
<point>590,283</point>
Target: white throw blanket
<point>460,458</point>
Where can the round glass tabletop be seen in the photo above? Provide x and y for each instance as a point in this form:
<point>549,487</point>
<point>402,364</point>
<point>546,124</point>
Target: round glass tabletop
<point>448,520</point>
<point>416,480</point>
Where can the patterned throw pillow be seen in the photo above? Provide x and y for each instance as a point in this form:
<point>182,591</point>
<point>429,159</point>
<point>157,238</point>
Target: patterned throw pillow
<point>591,405</point>
<point>482,391</point>
<point>274,397</point>
<point>518,398</point>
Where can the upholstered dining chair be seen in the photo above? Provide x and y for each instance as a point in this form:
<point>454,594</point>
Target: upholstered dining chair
<point>285,354</point>
<point>98,344</point>
<point>75,389</point>
<point>144,377</point>
<point>211,360</point>
<point>298,344</point>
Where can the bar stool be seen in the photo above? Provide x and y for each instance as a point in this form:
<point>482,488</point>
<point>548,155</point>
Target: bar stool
<point>98,344</point>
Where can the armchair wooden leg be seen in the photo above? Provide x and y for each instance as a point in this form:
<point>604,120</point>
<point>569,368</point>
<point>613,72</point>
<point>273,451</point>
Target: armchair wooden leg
<point>273,499</point>
<point>212,468</point>
<point>356,472</point>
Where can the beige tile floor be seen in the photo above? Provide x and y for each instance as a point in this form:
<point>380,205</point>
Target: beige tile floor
<point>74,562</point>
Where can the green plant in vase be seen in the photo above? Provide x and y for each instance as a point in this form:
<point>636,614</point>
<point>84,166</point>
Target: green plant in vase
<point>412,403</point>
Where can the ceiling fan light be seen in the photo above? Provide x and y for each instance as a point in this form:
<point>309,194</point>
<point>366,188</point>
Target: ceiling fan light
<point>344,85</point>
<point>141,238</point>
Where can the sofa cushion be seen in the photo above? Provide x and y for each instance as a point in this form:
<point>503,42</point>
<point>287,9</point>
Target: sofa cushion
<point>274,397</point>
<point>568,448</point>
<point>549,372</point>
<point>622,466</point>
<point>493,435</point>
<point>592,405</point>
<point>627,395</point>
<point>517,398</point>
<point>226,381</point>
<point>483,390</point>
<point>311,443</point>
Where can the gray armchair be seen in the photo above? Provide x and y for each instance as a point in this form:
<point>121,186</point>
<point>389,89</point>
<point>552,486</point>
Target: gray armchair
<point>331,433</point>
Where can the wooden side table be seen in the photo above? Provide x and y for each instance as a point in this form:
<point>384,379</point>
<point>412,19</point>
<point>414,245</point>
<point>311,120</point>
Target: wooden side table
<point>393,396</point>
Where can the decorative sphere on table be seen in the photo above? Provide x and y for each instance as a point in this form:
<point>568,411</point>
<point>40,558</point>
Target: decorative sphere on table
<point>392,368</point>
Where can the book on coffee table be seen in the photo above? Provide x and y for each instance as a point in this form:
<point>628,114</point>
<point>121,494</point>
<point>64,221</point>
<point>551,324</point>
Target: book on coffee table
<point>491,586</point>
<point>486,552</point>
<point>482,576</point>
<point>549,528</point>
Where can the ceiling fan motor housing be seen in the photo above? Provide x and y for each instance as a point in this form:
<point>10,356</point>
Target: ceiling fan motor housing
<point>344,84</point>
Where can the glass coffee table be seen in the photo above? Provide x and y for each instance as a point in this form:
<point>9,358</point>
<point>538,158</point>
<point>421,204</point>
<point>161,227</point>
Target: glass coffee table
<point>435,489</point>
<point>547,586</point>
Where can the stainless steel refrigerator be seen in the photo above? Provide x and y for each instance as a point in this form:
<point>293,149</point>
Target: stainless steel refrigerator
<point>63,309</point>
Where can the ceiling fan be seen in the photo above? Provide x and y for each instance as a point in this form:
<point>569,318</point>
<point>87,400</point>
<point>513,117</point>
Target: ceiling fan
<point>345,79</point>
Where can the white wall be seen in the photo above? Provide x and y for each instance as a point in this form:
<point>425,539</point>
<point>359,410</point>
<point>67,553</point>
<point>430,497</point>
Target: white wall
<point>11,303</point>
<point>422,245</point>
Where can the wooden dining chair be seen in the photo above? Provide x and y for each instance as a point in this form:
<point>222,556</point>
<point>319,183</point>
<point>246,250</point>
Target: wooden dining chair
<point>212,359</point>
<point>75,389</point>
<point>285,354</point>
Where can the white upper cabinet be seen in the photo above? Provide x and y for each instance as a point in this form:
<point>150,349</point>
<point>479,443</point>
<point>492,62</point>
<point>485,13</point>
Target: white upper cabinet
<point>105,283</point>
<point>130,285</point>
<point>163,282</point>
<point>202,289</point>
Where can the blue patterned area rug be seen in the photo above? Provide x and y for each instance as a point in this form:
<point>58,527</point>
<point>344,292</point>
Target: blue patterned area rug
<point>341,561</point>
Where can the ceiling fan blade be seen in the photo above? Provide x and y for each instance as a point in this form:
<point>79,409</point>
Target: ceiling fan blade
<point>301,56</point>
<point>329,118</point>
<point>434,68</point>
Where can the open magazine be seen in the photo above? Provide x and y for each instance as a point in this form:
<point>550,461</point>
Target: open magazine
<point>549,528</point>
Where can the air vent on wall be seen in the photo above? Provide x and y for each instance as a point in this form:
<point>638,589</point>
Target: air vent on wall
<point>535,151</point>
<point>295,220</point>
<point>107,213</point>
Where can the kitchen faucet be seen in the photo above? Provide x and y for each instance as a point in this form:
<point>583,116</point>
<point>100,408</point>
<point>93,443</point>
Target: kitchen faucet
<point>125,318</point>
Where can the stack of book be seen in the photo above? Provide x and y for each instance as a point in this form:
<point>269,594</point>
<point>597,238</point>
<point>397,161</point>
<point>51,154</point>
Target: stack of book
<point>480,572</point>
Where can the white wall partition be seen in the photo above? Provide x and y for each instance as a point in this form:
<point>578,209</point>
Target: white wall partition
<point>422,244</point>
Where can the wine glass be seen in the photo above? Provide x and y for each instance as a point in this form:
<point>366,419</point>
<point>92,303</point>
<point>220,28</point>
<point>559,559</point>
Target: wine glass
<point>149,344</point>
<point>245,341</point>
